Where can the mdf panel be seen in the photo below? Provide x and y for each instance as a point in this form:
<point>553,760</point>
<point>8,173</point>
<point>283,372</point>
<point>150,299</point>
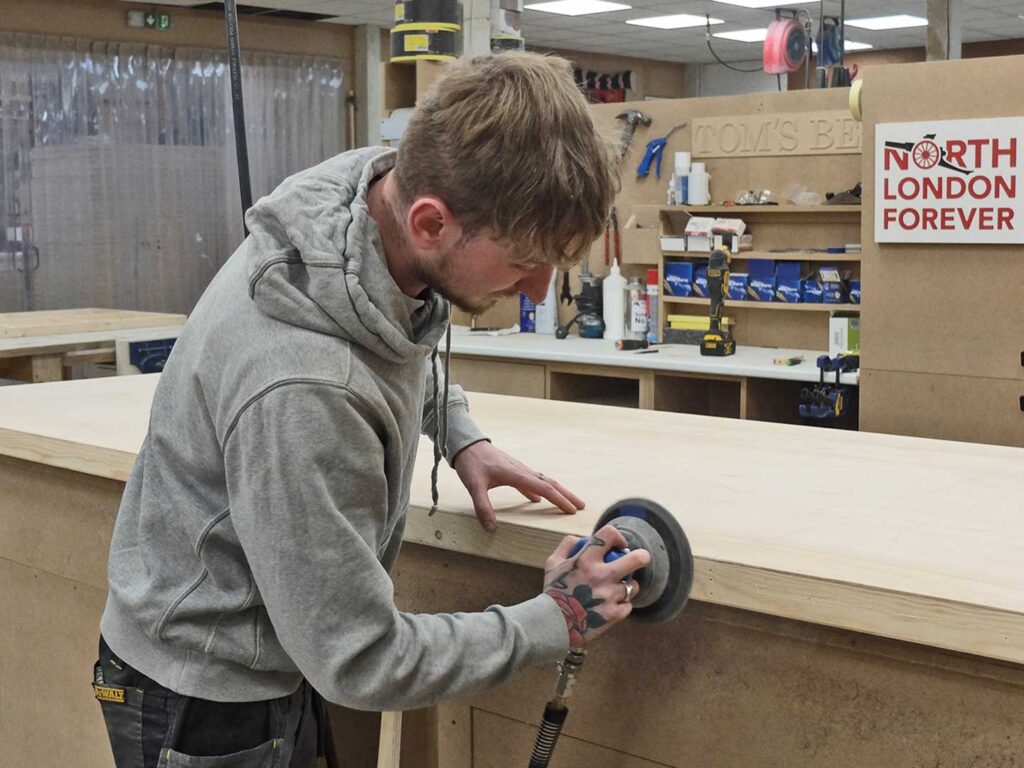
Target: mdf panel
<point>500,742</point>
<point>951,312</point>
<point>55,529</point>
<point>963,408</point>
<point>48,644</point>
<point>723,688</point>
<point>497,377</point>
<point>946,310</point>
<point>40,528</point>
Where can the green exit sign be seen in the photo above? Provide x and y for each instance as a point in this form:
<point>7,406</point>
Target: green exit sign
<point>157,20</point>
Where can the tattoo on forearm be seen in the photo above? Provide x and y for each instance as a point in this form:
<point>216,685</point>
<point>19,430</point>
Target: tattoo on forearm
<point>578,611</point>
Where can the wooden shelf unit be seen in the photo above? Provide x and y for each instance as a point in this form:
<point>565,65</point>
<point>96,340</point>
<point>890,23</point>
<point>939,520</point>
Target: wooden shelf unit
<point>777,255</point>
<point>765,304</point>
<point>752,211</point>
<point>782,233</point>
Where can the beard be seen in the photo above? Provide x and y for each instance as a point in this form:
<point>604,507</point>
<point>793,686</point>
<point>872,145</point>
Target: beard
<point>439,275</point>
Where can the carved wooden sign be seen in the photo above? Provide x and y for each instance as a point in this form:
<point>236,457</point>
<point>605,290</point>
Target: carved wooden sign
<point>774,135</point>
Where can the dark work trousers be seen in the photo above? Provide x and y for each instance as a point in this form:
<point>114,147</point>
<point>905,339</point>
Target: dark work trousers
<point>153,727</point>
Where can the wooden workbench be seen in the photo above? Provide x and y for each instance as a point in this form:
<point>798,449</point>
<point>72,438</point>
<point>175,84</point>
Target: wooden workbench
<point>859,597</point>
<point>675,377</point>
<point>42,346</point>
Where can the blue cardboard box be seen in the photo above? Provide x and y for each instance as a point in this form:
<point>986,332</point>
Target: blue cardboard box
<point>700,281</point>
<point>831,286</point>
<point>737,286</point>
<point>788,286</point>
<point>678,278</point>
<point>811,291</point>
<point>855,291</point>
<point>761,279</point>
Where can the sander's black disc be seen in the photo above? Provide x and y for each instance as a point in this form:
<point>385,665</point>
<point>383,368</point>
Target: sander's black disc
<point>669,578</point>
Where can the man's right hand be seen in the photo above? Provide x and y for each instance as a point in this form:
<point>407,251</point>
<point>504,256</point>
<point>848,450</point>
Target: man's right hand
<point>591,592</point>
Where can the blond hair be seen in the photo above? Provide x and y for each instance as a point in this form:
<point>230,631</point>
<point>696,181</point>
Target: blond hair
<point>507,142</point>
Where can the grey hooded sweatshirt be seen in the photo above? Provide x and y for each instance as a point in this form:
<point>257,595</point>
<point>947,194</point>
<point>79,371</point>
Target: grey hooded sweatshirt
<point>269,498</point>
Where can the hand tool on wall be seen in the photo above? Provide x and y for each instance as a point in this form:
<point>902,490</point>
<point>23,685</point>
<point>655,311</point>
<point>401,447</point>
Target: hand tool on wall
<point>718,342</point>
<point>665,587</point>
<point>632,118</point>
<point>654,153</point>
<point>566,295</point>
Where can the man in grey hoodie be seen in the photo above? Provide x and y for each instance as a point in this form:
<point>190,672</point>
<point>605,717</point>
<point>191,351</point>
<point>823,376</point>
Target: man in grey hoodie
<point>249,564</point>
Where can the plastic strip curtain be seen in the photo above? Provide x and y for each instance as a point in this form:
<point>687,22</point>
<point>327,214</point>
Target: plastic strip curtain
<point>118,185</point>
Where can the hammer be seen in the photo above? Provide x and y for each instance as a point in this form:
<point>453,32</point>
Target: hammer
<point>632,118</point>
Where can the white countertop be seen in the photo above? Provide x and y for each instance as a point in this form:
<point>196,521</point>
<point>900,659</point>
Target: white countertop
<point>748,361</point>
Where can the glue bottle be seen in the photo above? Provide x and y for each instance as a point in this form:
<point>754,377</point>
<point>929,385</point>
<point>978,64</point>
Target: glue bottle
<point>613,298</point>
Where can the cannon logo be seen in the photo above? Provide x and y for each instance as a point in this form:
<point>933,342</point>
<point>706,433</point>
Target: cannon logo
<point>954,181</point>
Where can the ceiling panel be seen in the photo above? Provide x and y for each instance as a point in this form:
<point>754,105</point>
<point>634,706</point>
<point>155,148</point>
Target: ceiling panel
<point>607,32</point>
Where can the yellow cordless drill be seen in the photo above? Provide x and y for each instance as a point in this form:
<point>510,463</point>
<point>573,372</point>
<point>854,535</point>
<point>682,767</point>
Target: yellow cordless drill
<point>718,342</point>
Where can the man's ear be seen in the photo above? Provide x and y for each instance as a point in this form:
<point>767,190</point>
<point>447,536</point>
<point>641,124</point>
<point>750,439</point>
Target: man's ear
<point>431,225</point>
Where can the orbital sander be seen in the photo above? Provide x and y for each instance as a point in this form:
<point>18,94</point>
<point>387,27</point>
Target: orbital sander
<point>664,589</point>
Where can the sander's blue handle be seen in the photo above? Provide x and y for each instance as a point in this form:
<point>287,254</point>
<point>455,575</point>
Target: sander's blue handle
<point>610,556</point>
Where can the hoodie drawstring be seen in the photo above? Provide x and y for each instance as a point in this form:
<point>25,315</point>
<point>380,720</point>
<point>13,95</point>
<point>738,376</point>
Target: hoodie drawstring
<point>440,429</point>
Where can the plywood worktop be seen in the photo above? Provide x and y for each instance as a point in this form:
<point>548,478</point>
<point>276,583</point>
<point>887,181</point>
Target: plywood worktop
<point>913,539</point>
<point>59,321</point>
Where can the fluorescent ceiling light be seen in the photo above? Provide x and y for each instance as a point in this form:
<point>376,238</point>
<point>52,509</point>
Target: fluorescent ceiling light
<point>756,3</point>
<point>677,21</point>
<point>745,35</point>
<point>880,23</point>
<point>848,45</point>
<point>577,7</point>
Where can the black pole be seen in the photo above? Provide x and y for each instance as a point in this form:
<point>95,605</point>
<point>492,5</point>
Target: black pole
<point>842,34</point>
<point>241,147</point>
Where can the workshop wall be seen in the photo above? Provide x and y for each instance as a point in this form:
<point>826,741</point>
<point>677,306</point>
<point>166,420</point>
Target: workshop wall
<point>106,20</point>
<point>654,79</point>
<point>868,59</point>
<point>827,172</point>
<point>130,202</point>
<point>943,329</point>
<point>716,80</point>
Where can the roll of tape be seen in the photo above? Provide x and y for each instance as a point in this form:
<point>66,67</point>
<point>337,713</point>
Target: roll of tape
<point>855,96</point>
<point>446,12</point>
<point>429,44</point>
<point>426,27</point>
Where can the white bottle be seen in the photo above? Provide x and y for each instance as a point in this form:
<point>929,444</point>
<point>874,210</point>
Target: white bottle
<point>547,310</point>
<point>613,299</point>
<point>699,188</point>
<point>682,174</point>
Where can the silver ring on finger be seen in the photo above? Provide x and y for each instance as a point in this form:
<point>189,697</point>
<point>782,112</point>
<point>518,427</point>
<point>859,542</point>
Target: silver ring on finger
<point>540,476</point>
<point>629,591</point>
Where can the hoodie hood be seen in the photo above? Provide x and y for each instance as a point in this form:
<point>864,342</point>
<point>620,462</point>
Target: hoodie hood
<point>315,260</point>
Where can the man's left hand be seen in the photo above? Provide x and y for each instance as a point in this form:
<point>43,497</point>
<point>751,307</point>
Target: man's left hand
<point>481,467</point>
